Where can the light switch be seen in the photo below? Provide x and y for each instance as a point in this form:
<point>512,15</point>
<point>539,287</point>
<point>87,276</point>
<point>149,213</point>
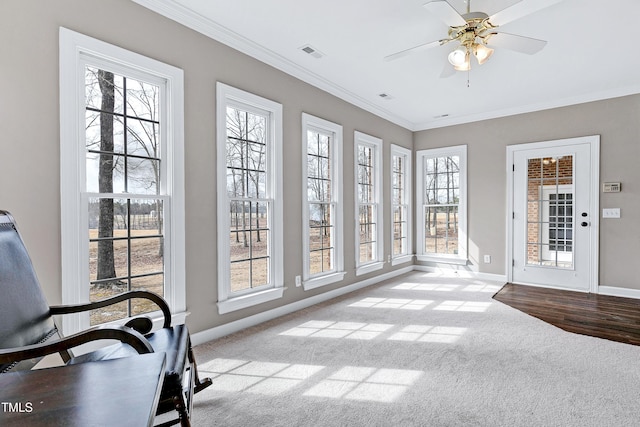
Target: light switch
<point>611,213</point>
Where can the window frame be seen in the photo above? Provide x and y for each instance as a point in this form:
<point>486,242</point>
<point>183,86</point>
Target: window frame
<point>362,139</point>
<point>462,257</point>
<point>227,301</point>
<point>76,51</point>
<point>316,124</point>
<point>407,256</point>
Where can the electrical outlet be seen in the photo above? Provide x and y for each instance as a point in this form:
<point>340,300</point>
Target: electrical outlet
<point>298,281</point>
<point>487,259</point>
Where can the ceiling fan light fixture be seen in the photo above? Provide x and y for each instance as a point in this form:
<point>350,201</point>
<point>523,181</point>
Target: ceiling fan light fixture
<point>482,53</point>
<point>459,56</point>
<point>465,66</point>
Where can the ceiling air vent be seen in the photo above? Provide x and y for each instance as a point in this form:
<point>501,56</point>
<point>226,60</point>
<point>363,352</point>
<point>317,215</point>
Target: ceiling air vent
<point>312,51</point>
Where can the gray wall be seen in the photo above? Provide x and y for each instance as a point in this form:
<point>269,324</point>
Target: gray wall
<point>29,119</point>
<point>617,121</point>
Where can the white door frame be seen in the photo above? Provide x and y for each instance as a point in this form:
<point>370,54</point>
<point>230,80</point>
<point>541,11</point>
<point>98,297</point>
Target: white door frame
<point>594,143</point>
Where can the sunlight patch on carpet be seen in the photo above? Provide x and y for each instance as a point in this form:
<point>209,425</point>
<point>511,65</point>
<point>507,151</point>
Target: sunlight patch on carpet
<point>366,384</point>
<point>433,334</point>
<point>442,287</point>
<point>232,375</point>
<point>329,329</point>
<point>273,379</point>
<point>393,303</point>
<point>471,306</point>
<point>370,331</point>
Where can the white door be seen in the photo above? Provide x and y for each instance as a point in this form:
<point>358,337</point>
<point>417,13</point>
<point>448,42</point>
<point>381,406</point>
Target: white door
<point>555,213</point>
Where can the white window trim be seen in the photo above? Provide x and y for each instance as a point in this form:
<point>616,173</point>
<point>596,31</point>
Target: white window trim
<point>377,264</point>
<point>75,50</point>
<point>397,150</point>
<point>309,282</point>
<point>462,257</point>
<point>227,95</point>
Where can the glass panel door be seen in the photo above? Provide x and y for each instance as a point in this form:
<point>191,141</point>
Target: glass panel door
<point>550,213</point>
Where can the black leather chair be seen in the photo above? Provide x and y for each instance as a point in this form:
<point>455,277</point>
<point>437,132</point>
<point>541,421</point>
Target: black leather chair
<point>28,331</point>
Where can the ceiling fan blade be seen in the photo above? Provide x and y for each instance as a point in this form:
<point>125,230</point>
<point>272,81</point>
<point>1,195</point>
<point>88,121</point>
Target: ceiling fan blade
<point>517,43</point>
<point>519,10</point>
<point>445,12</point>
<point>413,50</point>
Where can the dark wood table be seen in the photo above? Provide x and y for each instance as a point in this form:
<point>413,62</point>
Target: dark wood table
<point>117,392</point>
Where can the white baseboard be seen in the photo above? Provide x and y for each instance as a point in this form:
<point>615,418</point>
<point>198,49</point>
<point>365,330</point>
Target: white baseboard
<point>619,292</point>
<point>256,319</point>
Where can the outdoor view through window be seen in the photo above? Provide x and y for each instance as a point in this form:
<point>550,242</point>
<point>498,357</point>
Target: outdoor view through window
<point>124,191</point>
<point>247,189</point>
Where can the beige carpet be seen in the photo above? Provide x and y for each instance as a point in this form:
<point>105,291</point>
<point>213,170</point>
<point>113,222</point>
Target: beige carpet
<point>420,350</point>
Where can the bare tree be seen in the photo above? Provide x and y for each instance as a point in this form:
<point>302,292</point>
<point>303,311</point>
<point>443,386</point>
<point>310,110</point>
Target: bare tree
<point>246,157</point>
<point>106,262</point>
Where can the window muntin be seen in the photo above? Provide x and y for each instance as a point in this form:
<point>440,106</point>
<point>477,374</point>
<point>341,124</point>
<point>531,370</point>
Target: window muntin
<point>321,207</point>
<point>249,203</point>
<point>250,215</point>
<point>367,204</point>
<point>442,209</point>
<point>441,204</point>
<point>400,203</point>
<point>368,173</point>
<point>550,213</point>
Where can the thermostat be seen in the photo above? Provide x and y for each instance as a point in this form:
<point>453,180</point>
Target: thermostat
<point>611,187</point>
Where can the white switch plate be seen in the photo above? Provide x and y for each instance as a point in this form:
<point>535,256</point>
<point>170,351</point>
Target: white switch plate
<point>487,259</point>
<point>611,213</point>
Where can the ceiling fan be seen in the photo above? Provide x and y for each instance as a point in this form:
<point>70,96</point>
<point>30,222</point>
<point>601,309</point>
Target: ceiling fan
<point>477,33</point>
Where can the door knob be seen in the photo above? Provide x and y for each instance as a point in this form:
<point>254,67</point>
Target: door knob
<point>584,223</point>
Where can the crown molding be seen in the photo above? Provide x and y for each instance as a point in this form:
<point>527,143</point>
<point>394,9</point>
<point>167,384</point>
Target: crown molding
<point>529,108</point>
<point>178,13</point>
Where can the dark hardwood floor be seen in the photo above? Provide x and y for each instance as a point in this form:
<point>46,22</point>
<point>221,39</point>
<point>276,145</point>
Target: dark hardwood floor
<point>602,316</point>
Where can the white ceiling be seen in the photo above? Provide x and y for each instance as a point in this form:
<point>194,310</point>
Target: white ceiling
<point>590,54</point>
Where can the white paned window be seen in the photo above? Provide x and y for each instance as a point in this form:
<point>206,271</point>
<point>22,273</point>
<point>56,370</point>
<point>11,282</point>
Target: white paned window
<point>250,216</point>
<point>401,251</point>
<point>122,179</point>
<point>441,211</point>
<point>369,218</point>
<point>322,202</point>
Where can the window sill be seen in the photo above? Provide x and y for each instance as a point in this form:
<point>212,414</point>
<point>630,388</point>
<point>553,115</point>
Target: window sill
<point>325,280</point>
<point>368,268</point>
<point>401,259</point>
<point>443,259</point>
<point>244,301</point>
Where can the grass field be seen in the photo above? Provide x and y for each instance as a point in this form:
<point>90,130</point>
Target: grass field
<point>145,259</point>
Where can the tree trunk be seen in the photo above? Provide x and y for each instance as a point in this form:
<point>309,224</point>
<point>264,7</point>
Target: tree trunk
<point>106,261</point>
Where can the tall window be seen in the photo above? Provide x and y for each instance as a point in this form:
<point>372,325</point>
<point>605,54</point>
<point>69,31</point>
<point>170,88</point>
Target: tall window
<point>368,171</point>
<point>322,199</point>
<point>442,209</point>
<point>249,199</point>
<point>400,205</point>
<point>123,209</point>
